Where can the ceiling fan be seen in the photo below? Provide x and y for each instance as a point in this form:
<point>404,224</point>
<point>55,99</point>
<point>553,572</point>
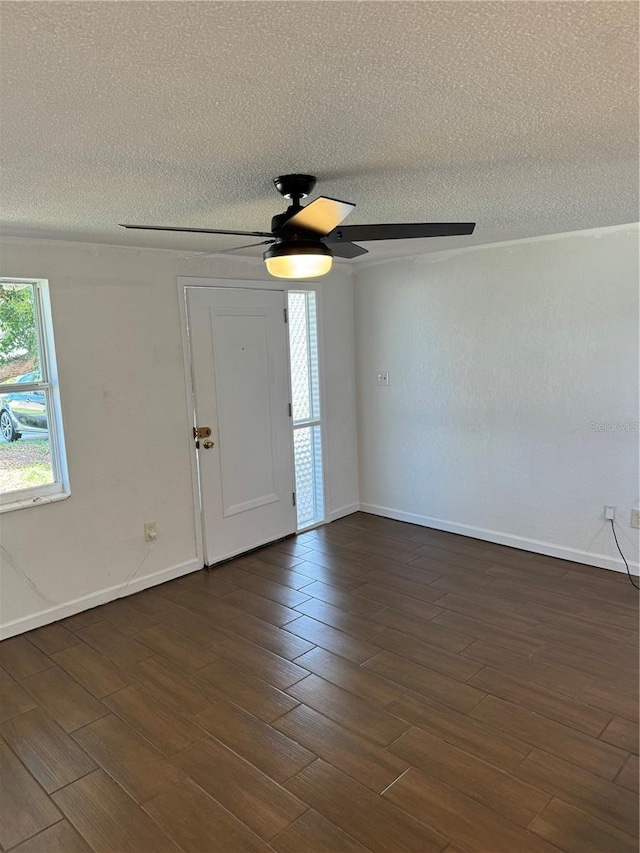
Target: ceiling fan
<point>304,240</point>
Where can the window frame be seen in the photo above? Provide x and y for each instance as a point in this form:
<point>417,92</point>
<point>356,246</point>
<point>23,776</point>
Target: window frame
<point>316,407</point>
<point>59,489</point>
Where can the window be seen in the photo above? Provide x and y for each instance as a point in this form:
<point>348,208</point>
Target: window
<point>32,458</point>
<point>305,386</point>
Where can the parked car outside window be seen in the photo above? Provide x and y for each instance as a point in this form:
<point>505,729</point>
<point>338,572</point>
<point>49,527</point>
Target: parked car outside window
<point>23,411</point>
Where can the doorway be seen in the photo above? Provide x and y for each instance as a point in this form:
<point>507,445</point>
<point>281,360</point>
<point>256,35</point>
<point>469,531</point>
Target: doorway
<point>240,376</point>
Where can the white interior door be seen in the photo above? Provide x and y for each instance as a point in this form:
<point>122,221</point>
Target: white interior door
<point>238,340</point>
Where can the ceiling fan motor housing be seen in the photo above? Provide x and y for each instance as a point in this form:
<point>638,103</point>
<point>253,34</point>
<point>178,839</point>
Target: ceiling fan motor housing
<point>281,232</point>
<point>295,186</point>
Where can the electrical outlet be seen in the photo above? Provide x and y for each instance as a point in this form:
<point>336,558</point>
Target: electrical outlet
<point>150,532</point>
<point>635,518</point>
<point>383,378</point>
<point>609,512</point>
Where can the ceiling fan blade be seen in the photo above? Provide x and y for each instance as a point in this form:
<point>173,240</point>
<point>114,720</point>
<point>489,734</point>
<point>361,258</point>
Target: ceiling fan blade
<point>347,250</point>
<point>321,215</point>
<point>199,230</point>
<point>399,231</point>
<point>227,251</point>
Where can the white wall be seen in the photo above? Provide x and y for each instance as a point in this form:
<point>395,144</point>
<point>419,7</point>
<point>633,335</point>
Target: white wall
<point>118,340</point>
<point>501,358</point>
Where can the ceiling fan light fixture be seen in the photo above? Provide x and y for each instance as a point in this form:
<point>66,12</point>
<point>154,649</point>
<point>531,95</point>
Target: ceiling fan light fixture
<point>298,259</point>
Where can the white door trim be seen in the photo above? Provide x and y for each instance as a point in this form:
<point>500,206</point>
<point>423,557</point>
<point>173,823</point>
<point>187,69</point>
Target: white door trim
<point>198,520</point>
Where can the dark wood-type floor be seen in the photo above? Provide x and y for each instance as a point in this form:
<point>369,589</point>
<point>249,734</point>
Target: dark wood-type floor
<point>367,686</point>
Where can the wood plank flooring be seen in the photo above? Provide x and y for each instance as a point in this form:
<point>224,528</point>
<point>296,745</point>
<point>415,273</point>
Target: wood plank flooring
<point>366,687</point>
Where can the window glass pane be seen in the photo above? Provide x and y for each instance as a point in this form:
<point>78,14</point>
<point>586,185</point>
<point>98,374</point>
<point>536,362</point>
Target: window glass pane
<point>19,346</point>
<point>308,462</point>
<point>299,345</point>
<point>314,378</point>
<point>25,452</point>
<point>305,384</point>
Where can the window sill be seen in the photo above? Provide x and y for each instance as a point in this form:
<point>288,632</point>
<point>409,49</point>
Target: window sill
<point>39,500</point>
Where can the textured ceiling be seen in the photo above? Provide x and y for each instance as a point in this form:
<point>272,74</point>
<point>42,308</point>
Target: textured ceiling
<point>522,116</point>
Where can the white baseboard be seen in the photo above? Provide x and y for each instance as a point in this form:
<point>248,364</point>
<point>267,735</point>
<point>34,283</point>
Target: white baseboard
<point>601,561</point>
<point>335,514</point>
<point>70,608</point>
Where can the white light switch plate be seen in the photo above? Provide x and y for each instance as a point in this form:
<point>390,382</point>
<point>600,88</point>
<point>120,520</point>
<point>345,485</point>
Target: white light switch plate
<point>383,377</point>
<point>150,531</point>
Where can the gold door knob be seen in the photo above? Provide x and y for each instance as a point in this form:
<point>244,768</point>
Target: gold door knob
<point>207,445</point>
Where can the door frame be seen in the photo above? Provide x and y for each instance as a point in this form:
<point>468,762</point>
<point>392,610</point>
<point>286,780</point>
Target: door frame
<point>184,282</point>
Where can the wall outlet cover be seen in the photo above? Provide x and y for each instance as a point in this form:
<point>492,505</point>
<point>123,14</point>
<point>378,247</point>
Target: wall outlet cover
<point>635,518</point>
